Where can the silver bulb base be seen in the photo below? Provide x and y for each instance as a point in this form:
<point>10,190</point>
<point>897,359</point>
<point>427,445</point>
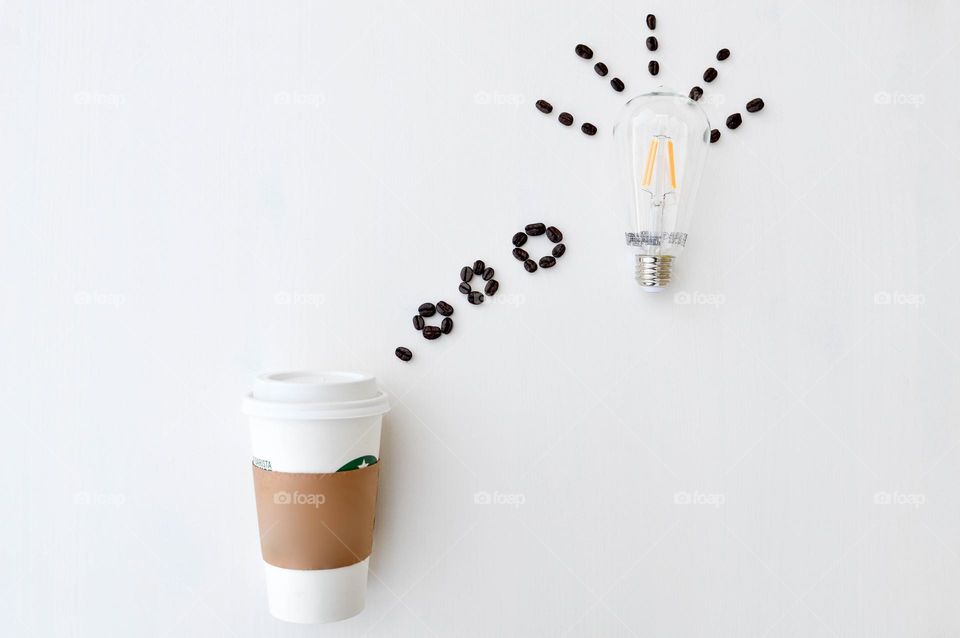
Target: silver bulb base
<point>653,271</point>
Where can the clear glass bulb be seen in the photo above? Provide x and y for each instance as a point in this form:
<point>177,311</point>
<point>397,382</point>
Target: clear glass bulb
<point>662,140</point>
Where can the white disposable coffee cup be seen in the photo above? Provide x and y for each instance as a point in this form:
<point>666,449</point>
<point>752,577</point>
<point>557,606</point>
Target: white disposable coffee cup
<point>315,422</point>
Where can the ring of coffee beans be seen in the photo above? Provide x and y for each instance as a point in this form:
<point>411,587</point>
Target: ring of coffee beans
<point>486,273</point>
<point>428,309</point>
<point>533,230</point>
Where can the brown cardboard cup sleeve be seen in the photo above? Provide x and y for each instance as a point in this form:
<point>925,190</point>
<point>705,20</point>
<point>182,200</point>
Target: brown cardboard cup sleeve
<point>316,521</point>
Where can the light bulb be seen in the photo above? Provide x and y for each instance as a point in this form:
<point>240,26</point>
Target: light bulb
<point>662,140</point>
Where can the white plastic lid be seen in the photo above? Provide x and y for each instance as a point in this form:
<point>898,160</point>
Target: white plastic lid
<point>315,395</point>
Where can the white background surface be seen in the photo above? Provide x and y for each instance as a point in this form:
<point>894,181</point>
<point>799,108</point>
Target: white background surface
<point>194,192</point>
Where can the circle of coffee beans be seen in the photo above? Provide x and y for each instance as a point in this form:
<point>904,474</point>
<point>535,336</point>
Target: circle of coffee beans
<point>425,310</point>
<point>535,230</point>
<point>486,273</point>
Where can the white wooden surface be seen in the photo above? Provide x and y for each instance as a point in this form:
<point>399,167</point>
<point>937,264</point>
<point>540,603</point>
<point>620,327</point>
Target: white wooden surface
<point>195,192</point>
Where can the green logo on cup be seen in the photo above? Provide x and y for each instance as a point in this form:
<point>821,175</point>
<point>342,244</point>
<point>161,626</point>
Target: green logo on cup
<point>359,463</point>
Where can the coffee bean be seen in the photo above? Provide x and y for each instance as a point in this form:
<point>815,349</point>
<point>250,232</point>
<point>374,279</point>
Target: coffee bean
<point>544,107</point>
<point>465,288</point>
<point>653,67</point>
<point>558,250</point>
<point>431,332</point>
<point>535,229</point>
<point>492,287</point>
<point>723,54</point>
<point>588,128</point>
<point>418,322</point>
<point>696,93</point>
<point>446,325</point>
<point>520,254</point>
<point>734,121</point>
<point>530,265</point>
<point>617,84</point>
<point>519,239</point>
<point>714,136</point>
<point>565,118</point>
<point>466,273</point>
<point>600,68</point>
<point>548,262</point>
<point>488,274</point>
<point>754,105</point>
<point>584,51</point>
<point>403,354</point>
<point>444,308</point>
<point>710,75</point>
<point>554,234</point>
<point>652,44</point>
<point>427,309</point>
<point>475,297</point>
<point>651,21</point>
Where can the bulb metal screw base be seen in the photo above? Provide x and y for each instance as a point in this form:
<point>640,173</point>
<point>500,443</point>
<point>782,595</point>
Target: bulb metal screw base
<point>653,271</point>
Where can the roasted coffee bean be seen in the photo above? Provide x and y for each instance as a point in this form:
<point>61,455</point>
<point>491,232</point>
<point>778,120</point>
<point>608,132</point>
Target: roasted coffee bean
<point>696,93</point>
<point>617,84</point>
<point>535,229</point>
<point>558,250</point>
<point>427,309</point>
<point>403,354</point>
<point>652,44</point>
<point>544,107</point>
<point>488,274</point>
<point>520,254</point>
<point>465,288</point>
<point>651,21</point>
<point>466,273</point>
<point>584,51</point>
<point>714,136</point>
<point>446,325</point>
<point>653,67</point>
<point>565,118</point>
<point>530,265</point>
<point>754,105</point>
<point>418,322</point>
<point>444,308</point>
<point>710,75</point>
<point>479,266</point>
<point>475,297</point>
<point>548,262</point>
<point>492,287</point>
<point>600,68</point>
<point>733,121</point>
<point>431,332</point>
<point>519,239</point>
<point>723,54</point>
<point>554,234</point>
<point>588,128</point>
